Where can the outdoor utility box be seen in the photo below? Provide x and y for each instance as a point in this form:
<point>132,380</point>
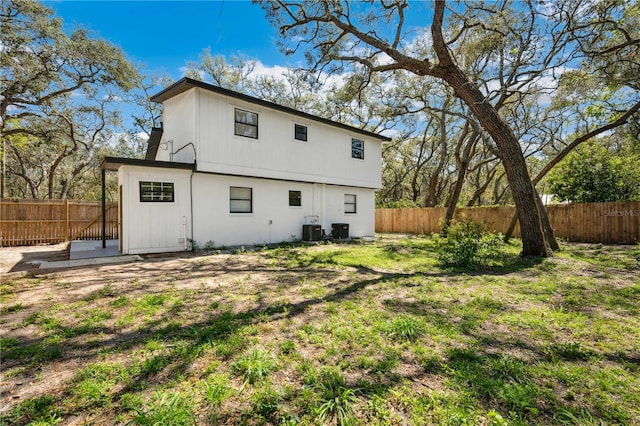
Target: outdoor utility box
<point>311,232</point>
<point>340,230</point>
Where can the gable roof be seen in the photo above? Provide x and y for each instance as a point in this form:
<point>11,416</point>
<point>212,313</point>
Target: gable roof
<point>187,83</point>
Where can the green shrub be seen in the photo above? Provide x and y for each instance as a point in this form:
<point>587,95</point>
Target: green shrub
<point>466,244</point>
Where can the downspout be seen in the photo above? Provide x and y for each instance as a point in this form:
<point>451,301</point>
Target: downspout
<point>195,167</point>
<point>191,202</point>
<point>104,210</point>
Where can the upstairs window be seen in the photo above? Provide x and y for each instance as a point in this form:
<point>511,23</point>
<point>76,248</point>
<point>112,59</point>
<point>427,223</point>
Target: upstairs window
<point>246,123</point>
<point>240,200</point>
<point>350,203</point>
<point>156,192</point>
<point>357,149</point>
<point>300,132</point>
<point>295,198</point>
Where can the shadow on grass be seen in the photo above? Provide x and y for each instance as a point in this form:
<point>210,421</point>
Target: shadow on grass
<point>496,381</point>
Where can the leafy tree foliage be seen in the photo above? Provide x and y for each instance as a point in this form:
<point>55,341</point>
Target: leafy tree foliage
<point>59,100</point>
<point>598,172</point>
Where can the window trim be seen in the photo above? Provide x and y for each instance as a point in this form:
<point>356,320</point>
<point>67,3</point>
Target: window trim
<point>354,204</point>
<point>236,122</point>
<point>296,133</point>
<point>359,151</point>
<point>163,189</point>
<point>299,198</point>
<point>231,199</point>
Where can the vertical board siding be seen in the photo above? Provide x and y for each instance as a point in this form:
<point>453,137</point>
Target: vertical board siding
<point>607,223</point>
<point>32,222</point>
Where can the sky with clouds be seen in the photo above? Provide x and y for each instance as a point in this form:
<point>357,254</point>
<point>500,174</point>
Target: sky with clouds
<point>165,35</point>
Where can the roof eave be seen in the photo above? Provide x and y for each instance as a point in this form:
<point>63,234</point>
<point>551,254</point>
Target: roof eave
<point>187,83</point>
<point>114,163</point>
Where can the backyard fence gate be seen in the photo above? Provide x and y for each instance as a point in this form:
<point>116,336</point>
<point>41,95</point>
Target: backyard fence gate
<point>32,222</point>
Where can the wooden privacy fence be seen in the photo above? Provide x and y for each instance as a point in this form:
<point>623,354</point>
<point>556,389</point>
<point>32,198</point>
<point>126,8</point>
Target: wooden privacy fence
<point>31,222</point>
<point>607,223</point>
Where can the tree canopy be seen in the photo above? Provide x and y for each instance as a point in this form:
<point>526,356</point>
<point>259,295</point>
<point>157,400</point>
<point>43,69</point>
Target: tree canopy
<point>59,98</point>
<point>599,171</point>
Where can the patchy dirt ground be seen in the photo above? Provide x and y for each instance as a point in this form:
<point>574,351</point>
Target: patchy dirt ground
<point>88,341</point>
<point>22,259</point>
<point>85,289</point>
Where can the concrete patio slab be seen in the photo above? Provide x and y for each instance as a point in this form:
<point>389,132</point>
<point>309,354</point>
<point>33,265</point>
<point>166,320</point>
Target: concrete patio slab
<point>92,248</point>
<point>90,261</point>
<point>85,253</point>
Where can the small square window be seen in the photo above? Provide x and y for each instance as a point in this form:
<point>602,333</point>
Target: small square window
<point>357,149</point>
<point>350,203</point>
<point>246,123</point>
<point>295,198</point>
<point>240,200</point>
<point>156,192</point>
<point>301,132</point>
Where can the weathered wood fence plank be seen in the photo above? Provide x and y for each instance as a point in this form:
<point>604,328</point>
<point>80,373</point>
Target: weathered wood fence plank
<point>31,222</point>
<point>607,223</point>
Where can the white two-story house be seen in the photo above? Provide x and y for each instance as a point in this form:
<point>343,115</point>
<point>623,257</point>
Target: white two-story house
<point>228,169</point>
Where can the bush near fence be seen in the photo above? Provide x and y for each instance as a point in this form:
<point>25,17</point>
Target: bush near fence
<point>32,222</point>
<point>606,223</point>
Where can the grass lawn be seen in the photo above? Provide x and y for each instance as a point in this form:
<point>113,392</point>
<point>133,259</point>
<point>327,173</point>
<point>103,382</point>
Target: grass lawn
<point>372,333</point>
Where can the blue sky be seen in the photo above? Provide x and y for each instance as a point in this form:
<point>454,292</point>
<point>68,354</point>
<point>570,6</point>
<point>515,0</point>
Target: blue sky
<point>166,35</point>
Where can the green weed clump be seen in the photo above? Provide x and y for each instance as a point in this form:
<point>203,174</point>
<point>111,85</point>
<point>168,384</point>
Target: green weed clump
<point>39,410</point>
<point>166,408</point>
<point>215,389</point>
<point>467,244</point>
<point>405,328</point>
<point>336,399</point>
<point>255,366</point>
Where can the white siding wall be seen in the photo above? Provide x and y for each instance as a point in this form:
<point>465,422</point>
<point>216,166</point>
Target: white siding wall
<point>207,119</point>
<point>272,219</point>
<point>321,168</point>
<point>363,222</point>
<point>154,227</point>
<point>179,128</point>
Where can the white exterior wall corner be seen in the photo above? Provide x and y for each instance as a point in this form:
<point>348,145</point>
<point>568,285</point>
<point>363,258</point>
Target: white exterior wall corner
<point>179,119</point>
<point>272,219</point>
<point>154,227</point>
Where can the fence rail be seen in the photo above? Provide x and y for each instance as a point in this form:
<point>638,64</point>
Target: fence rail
<point>31,222</point>
<point>607,223</point>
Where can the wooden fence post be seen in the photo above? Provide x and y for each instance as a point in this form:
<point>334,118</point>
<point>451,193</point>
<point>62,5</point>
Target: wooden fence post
<point>66,219</point>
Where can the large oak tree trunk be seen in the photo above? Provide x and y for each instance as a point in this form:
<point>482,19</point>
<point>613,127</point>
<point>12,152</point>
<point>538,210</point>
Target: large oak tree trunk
<point>546,224</point>
<point>462,160</point>
<point>534,242</point>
